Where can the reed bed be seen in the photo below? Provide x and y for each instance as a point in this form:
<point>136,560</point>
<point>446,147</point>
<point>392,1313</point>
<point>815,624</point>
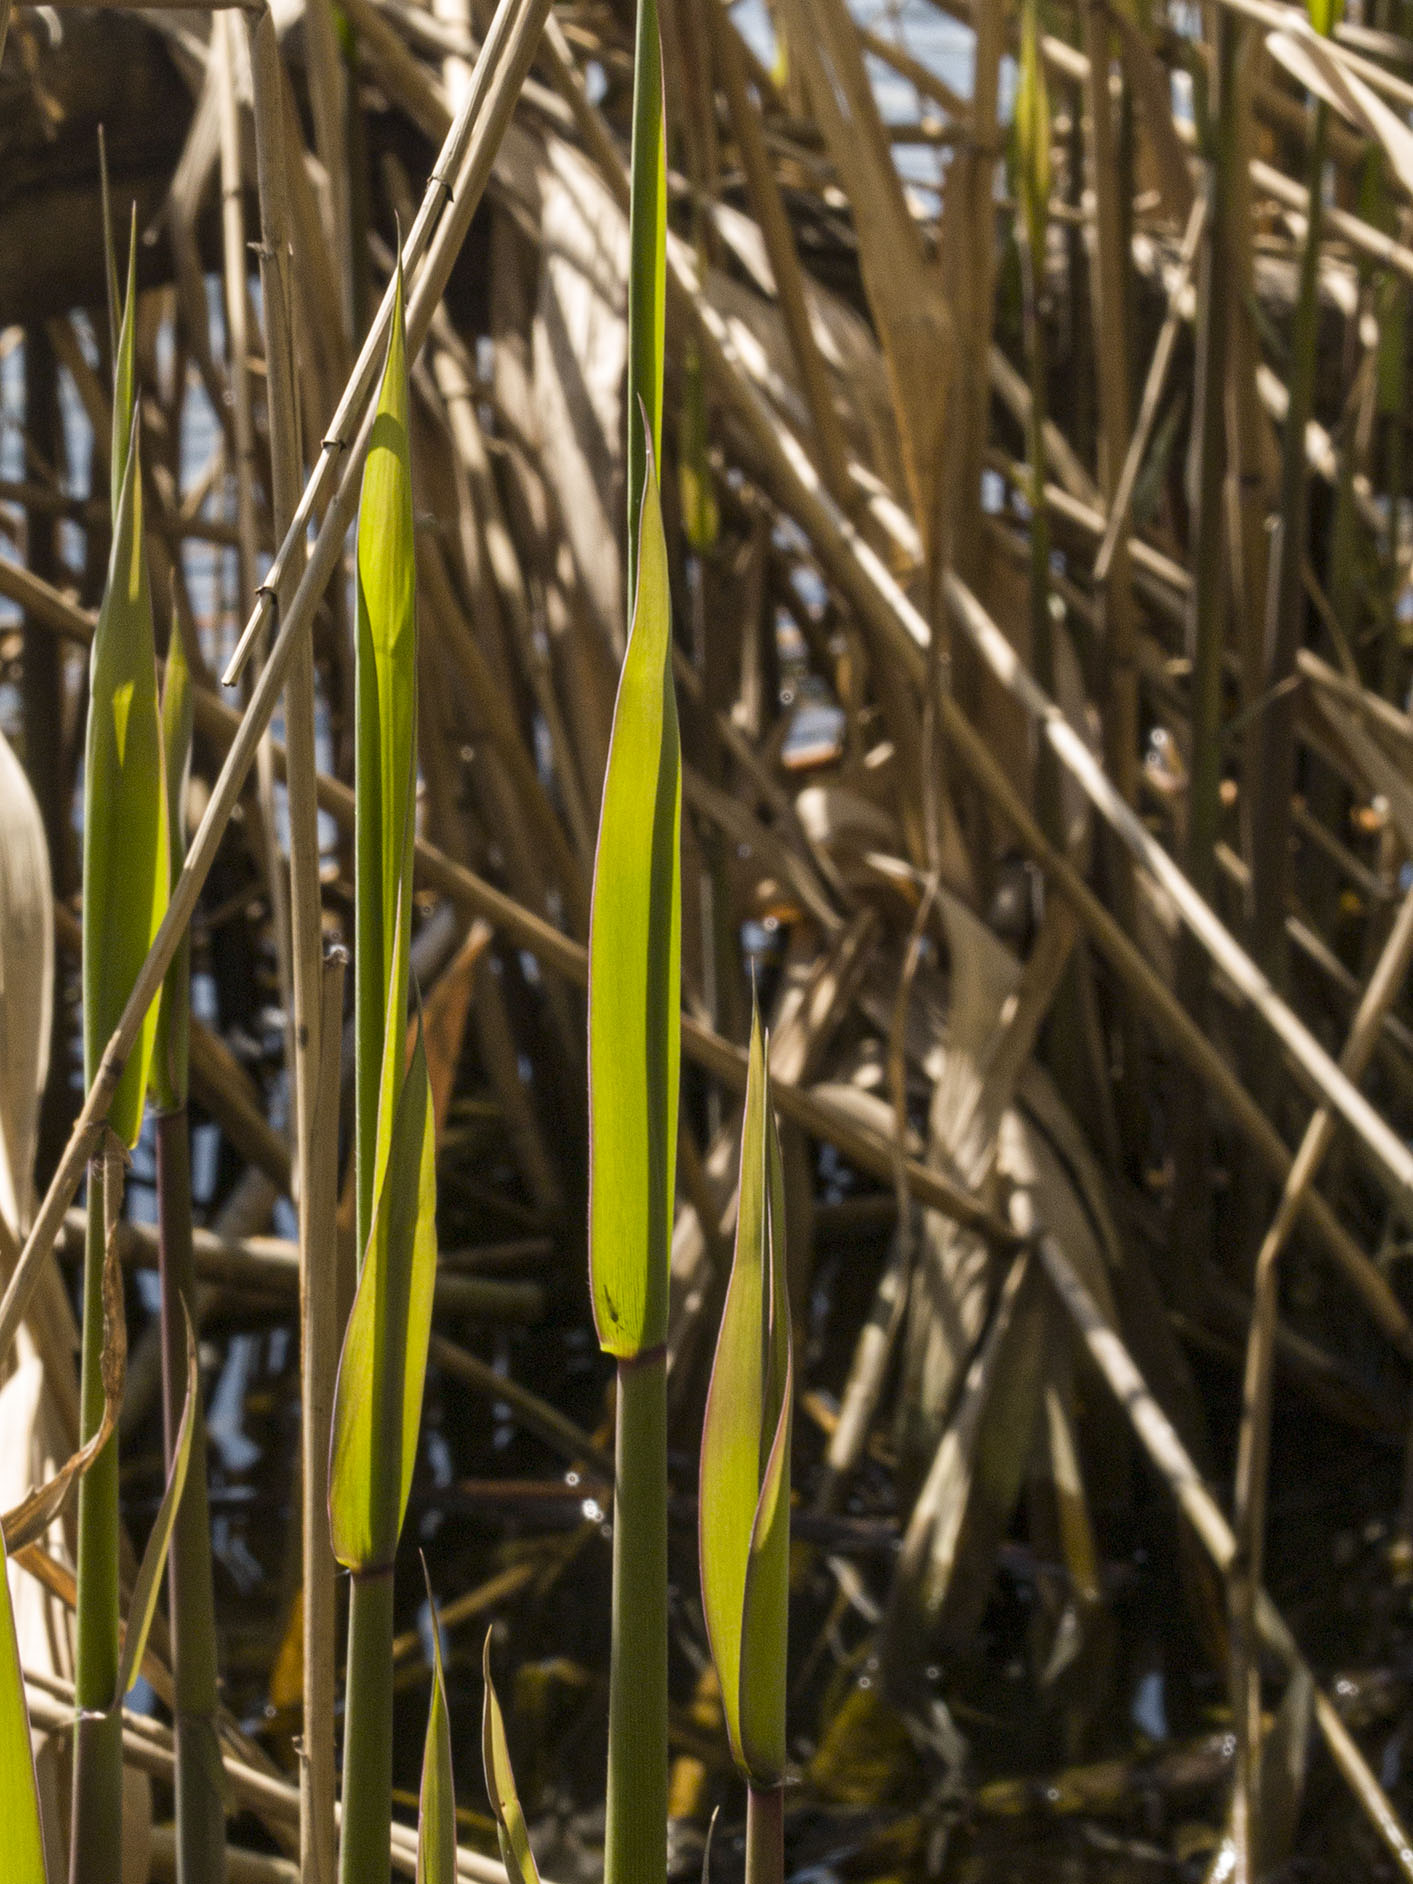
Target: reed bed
<point>817,599</point>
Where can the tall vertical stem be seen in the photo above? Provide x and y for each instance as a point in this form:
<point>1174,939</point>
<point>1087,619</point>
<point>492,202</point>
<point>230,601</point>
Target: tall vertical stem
<point>367,1737</point>
<point>1207,635</point>
<point>201,1810</point>
<point>98,1729</point>
<point>1275,774</point>
<point>635,1833</point>
<point>765,1835</point>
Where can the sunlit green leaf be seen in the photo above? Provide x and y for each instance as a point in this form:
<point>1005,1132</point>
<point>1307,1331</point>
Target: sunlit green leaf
<point>385,778</point>
<point>515,1849</point>
<point>1325,15</point>
<point>125,810</point>
<point>154,1559</point>
<point>22,1839</point>
<point>766,1602</point>
<point>647,273</point>
<point>745,1470</point>
<point>436,1816</point>
<point>635,950</point>
<point>378,1396</point>
<point>170,1050</point>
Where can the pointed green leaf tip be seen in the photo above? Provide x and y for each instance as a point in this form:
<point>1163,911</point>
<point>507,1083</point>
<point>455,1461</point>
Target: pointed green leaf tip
<point>378,1394</point>
<point>647,269</point>
<point>125,861</point>
<point>635,971</point>
<point>1032,133</point>
<point>519,1860</point>
<point>124,358</point>
<point>22,1839</point>
<point>744,1501</point>
<point>386,763</point>
<point>436,1816</point>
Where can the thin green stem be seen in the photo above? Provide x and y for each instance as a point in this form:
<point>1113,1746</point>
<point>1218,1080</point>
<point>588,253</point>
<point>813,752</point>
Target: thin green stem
<point>367,1731</point>
<point>200,1807</point>
<point>635,1832</point>
<point>765,1835</point>
<point>98,1741</point>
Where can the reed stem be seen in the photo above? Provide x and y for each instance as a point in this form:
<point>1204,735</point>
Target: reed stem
<point>635,1832</point>
<point>367,1739</point>
<point>200,1806</point>
<point>1275,777</point>
<point>97,1826</point>
<point>765,1835</point>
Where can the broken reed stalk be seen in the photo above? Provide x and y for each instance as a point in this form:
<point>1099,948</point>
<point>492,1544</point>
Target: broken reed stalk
<point>467,155</point>
<point>1253,1455</point>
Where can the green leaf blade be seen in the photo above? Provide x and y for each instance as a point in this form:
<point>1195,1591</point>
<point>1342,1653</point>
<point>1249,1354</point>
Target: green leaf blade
<point>519,1860</point>
<point>171,1047</point>
<point>745,1462</point>
<point>125,862</point>
<point>382,1370</point>
<point>436,1813</point>
<point>23,1838</point>
<point>385,760</point>
<point>148,1586</point>
<point>635,966</point>
<point>1032,134</point>
<point>647,270</point>
<point>765,1604</point>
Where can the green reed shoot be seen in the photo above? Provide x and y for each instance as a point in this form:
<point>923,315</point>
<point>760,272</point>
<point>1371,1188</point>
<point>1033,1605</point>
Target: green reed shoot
<point>378,1396</point>
<point>744,1493</point>
<point>125,876</point>
<point>635,1046</point>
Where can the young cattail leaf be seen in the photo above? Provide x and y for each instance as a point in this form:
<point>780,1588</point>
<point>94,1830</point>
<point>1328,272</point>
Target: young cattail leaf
<point>1032,133</point>
<point>385,778</point>
<point>1325,15</point>
<point>635,950</point>
<point>745,1468</point>
<point>125,809</point>
<point>647,270</point>
<point>21,1839</point>
<point>170,1050</point>
<point>436,1815</point>
<point>378,1394</point>
<point>154,1559</point>
<point>519,1860</point>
